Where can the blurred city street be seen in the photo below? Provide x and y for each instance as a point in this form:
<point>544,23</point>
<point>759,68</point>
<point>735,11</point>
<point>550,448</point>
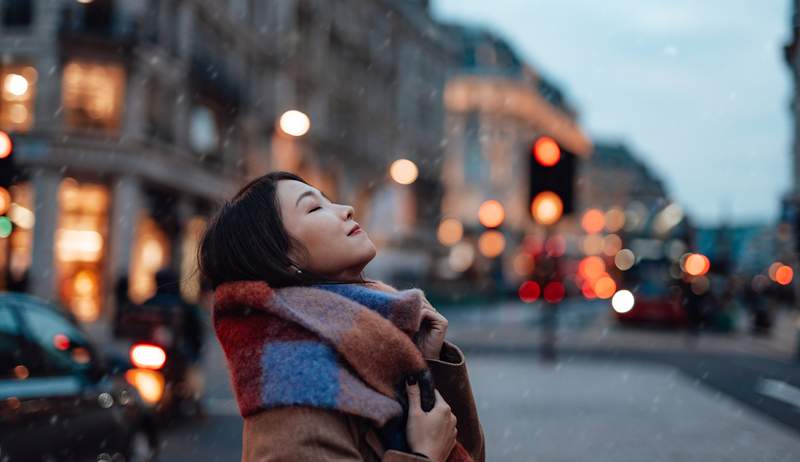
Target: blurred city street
<point>614,393</point>
<point>603,199</point>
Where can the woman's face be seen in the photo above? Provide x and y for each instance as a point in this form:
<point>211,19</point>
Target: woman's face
<point>324,229</point>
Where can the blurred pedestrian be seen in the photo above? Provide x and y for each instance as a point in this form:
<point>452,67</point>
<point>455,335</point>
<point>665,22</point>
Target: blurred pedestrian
<point>328,365</point>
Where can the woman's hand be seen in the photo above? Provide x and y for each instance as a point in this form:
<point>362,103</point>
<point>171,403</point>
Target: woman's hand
<point>432,331</point>
<point>431,433</point>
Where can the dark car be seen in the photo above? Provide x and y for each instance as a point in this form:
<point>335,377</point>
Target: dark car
<point>59,401</point>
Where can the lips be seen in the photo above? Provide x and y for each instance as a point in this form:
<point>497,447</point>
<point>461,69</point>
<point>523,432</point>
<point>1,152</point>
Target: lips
<point>354,230</point>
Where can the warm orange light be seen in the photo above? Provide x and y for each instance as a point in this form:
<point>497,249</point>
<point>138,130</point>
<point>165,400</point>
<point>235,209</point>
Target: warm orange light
<point>547,207</point>
<point>491,213</point>
<point>784,275</point>
<point>697,264</point>
<point>546,151</point>
<point>148,356</point>
<point>593,221</point>
<point>605,287</point>
<point>5,200</point>
<point>615,219</point>
<point>149,384</point>
<point>491,243</point>
<point>6,145</point>
<point>404,171</point>
<point>450,231</point>
<point>591,268</point>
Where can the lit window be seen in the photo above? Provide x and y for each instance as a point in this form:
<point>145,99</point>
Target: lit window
<point>93,95</point>
<point>80,246</point>
<point>16,97</point>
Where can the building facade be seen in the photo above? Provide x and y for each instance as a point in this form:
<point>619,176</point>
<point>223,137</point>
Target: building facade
<point>133,120</point>
<point>496,105</point>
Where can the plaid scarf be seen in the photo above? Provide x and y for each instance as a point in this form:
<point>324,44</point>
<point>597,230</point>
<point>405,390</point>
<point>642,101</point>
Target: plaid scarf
<point>345,347</point>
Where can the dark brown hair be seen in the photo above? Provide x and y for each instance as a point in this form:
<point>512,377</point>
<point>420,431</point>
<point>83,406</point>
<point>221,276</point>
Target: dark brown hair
<point>246,239</point>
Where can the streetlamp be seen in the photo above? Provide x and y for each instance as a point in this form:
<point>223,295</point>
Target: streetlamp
<point>294,123</point>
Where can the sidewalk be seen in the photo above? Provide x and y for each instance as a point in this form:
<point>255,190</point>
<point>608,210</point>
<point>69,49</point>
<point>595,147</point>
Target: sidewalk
<point>514,327</point>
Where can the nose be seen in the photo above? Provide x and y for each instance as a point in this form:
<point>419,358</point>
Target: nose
<point>349,211</point>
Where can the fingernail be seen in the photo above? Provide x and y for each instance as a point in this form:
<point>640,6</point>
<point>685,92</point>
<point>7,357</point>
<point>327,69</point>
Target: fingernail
<point>411,379</point>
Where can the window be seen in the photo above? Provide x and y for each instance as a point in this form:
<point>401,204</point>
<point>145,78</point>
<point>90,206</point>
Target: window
<point>16,97</point>
<point>62,346</point>
<point>93,95</point>
<point>17,13</point>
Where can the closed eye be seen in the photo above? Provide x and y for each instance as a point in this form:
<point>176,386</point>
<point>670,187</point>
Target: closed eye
<point>315,208</point>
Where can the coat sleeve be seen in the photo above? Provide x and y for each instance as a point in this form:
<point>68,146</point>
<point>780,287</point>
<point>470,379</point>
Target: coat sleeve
<point>294,433</point>
<point>451,379</point>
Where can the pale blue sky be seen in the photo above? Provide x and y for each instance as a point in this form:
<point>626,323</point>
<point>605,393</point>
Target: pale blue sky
<point>698,89</point>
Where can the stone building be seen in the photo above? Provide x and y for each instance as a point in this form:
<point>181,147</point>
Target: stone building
<point>133,120</point>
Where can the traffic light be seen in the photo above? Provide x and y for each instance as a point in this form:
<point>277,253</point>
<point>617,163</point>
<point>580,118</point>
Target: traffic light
<point>552,181</point>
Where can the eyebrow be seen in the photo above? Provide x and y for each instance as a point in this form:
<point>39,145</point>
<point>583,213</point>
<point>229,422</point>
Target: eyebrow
<point>310,193</point>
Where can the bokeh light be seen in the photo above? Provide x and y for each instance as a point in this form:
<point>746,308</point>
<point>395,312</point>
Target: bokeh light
<point>461,257</point>
<point>529,291</point>
<point>6,145</point>
<point>403,171</point>
<point>547,208</point>
<point>554,292</point>
<point>450,231</point>
<point>16,84</point>
<point>294,123</point>
<point>784,275</point>
<point>546,151</point>
<point>593,221</point>
<point>623,301</point>
<point>625,259</point>
<point>612,245</point>
<point>592,244</point>
<point>605,287</point>
<point>591,268</point>
<point>491,243</point>
<point>491,213</point>
<point>5,200</point>
<point>5,227</point>
<point>696,264</point>
<point>615,219</point>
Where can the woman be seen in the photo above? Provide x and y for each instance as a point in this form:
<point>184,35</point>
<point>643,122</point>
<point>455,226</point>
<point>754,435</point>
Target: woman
<point>325,364</point>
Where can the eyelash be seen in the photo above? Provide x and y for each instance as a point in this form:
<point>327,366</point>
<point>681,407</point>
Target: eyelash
<point>315,208</point>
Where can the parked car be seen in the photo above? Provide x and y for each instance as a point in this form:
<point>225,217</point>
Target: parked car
<point>59,400</point>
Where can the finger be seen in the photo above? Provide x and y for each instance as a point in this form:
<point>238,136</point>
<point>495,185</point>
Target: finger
<point>413,394</point>
<point>427,391</point>
<point>440,402</point>
<point>434,316</point>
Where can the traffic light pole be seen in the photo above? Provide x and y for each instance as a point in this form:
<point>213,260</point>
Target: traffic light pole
<point>549,323</point>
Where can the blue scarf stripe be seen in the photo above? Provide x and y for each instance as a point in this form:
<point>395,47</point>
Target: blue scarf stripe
<point>378,301</point>
<point>299,372</point>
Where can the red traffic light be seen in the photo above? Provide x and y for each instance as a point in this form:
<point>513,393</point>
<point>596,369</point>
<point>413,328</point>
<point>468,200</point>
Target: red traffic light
<point>6,145</point>
<point>546,151</point>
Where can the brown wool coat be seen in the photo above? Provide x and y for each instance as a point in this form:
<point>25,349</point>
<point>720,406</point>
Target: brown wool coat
<point>301,433</point>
